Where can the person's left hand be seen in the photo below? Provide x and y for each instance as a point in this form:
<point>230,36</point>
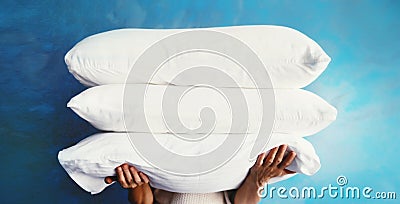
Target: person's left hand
<point>272,165</point>
<point>266,167</point>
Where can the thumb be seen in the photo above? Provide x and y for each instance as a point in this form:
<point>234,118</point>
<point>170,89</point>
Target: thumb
<point>110,179</point>
<point>288,171</point>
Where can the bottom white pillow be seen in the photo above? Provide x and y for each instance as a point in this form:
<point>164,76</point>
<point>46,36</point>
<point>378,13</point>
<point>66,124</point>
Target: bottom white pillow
<point>96,157</point>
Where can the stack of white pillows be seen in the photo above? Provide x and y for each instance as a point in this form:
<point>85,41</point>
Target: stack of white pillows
<point>103,62</point>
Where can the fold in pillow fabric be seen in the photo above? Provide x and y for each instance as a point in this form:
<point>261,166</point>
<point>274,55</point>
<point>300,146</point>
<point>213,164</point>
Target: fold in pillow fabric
<point>291,59</point>
<point>96,157</point>
<point>296,112</point>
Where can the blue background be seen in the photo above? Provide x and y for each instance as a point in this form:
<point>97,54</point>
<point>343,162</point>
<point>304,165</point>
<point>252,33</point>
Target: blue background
<point>362,81</point>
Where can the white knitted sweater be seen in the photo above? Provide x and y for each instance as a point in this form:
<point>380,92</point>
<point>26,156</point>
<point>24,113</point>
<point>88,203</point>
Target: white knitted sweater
<point>198,198</point>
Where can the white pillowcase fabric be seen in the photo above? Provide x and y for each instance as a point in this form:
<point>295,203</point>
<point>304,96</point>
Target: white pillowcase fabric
<point>297,111</point>
<point>96,157</point>
<point>291,59</point>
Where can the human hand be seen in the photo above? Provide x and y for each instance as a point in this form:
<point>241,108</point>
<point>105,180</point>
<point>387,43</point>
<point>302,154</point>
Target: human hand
<point>272,165</point>
<point>128,177</point>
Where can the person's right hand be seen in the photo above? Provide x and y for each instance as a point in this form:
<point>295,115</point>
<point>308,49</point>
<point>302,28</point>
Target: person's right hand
<point>128,177</point>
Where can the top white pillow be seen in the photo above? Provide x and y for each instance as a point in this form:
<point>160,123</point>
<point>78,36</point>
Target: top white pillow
<point>292,59</point>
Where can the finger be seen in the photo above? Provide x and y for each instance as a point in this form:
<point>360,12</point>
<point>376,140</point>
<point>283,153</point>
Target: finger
<point>279,155</point>
<point>110,179</point>
<point>121,177</point>
<point>135,174</point>
<point>144,177</point>
<point>288,171</point>
<point>260,159</point>
<point>270,157</point>
<point>127,174</point>
<point>288,160</point>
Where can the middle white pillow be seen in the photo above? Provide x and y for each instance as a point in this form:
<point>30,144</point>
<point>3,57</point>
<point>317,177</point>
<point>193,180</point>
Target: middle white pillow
<point>296,111</point>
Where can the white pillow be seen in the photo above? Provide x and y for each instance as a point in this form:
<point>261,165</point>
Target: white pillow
<point>291,58</point>
<point>96,157</point>
<point>297,111</point>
